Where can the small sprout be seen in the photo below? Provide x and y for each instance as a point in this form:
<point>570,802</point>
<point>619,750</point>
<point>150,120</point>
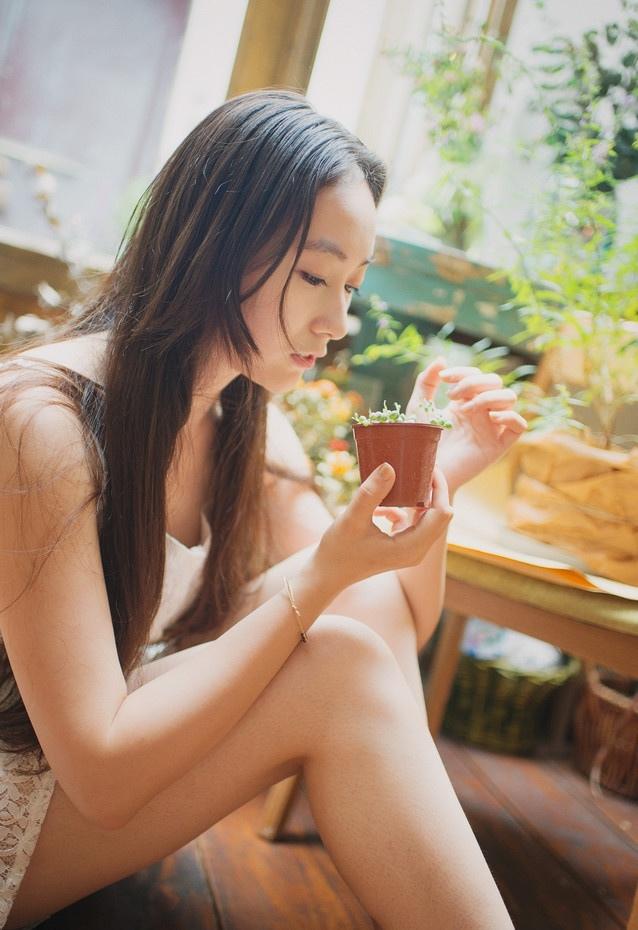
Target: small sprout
<point>433,416</point>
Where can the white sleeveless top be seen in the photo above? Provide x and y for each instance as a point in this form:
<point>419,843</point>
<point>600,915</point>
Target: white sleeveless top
<point>24,796</point>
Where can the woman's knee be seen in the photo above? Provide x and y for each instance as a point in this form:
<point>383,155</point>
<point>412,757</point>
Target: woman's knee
<point>347,642</point>
<point>352,672</point>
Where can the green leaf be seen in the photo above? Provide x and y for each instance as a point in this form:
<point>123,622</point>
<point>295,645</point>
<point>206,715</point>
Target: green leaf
<point>612,32</point>
<point>523,371</point>
<point>446,330</point>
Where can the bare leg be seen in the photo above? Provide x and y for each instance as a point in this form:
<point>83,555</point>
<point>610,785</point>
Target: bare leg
<point>379,794</point>
<point>397,813</point>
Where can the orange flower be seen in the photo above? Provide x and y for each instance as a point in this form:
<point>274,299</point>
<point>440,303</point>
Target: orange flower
<point>355,399</point>
<point>340,408</point>
<point>338,445</point>
<point>323,387</point>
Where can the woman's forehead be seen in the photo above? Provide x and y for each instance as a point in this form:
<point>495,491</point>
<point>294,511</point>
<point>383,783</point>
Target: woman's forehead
<point>329,247</point>
<point>343,223</point>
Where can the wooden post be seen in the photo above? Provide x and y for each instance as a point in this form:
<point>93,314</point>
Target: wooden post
<point>444,665</point>
<point>498,25</point>
<point>278,45</point>
<point>278,805</point>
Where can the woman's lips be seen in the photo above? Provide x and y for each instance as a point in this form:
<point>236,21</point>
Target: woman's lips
<point>304,361</point>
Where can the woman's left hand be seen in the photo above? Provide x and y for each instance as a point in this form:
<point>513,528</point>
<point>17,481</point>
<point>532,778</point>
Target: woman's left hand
<point>481,409</point>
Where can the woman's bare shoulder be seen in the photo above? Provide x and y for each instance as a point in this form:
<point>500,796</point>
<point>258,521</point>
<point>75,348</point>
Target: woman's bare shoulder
<point>40,431</point>
<point>31,386</point>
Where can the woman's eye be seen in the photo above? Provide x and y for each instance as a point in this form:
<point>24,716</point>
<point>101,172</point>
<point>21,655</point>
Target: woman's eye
<point>312,280</point>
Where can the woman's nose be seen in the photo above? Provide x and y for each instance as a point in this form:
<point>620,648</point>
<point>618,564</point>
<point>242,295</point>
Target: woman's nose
<point>335,325</point>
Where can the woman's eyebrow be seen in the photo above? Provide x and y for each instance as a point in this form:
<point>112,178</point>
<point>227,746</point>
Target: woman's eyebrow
<point>327,245</point>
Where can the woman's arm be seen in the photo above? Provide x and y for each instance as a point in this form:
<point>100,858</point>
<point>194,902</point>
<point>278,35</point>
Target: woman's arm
<point>110,750</point>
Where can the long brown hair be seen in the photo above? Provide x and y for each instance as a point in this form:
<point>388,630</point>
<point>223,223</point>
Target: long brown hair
<point>242,183</point>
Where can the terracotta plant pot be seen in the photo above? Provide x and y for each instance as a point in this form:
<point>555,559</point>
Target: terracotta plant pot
<point>411,450</point>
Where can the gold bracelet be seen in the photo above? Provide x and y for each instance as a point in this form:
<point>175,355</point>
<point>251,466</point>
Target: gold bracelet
<point>304,635</point>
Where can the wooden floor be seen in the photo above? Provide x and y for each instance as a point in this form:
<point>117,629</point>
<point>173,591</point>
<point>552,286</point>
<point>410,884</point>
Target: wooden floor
<point>560,862</point>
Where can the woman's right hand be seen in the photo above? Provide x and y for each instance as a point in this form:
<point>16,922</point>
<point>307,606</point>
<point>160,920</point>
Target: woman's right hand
<point>353,548</point>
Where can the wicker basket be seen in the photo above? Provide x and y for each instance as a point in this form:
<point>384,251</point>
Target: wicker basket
<point>606,731</point>
<point>497,707</point>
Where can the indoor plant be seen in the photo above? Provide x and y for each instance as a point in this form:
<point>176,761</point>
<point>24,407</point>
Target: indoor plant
<point>576,286</point>
<point>408,444</point>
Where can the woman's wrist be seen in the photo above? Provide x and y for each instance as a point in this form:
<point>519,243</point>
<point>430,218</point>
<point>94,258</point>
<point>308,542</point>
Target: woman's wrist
<point>319,575</point>
<point>452,486</point>
<point>309,591</point>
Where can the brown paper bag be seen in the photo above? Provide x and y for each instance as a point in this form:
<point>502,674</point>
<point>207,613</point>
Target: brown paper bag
<point>580,497</point>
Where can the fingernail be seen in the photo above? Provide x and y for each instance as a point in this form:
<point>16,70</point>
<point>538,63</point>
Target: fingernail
<point>385,470</point>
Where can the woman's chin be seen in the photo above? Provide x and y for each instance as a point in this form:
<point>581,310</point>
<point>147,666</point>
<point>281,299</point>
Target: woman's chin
<point>278,382</point>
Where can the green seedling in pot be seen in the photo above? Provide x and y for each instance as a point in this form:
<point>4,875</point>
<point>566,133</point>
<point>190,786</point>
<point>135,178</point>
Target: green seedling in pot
<point>433,416</point>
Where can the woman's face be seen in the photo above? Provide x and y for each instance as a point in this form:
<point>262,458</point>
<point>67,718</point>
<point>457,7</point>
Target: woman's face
<point>332,266</point>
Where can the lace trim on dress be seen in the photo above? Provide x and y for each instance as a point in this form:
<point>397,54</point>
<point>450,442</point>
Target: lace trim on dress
<point>24,800</point>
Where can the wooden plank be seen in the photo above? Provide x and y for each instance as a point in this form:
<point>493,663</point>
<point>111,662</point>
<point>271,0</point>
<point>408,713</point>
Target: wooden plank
<point>615,649</point>
<point>538,889</point>
<point>426,281</point>
<point>612,810</point>
<point>603,859</point>
<point>290,883</point>
<point>172,893</point>
<point>594,608</point>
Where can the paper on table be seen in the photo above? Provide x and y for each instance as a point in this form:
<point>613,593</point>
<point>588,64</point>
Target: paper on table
<point>479,528</point>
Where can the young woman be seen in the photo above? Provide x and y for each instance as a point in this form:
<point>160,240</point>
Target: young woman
<point>138,507</point>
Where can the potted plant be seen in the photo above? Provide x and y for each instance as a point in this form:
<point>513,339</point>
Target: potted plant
<point>408,444</point>
<point>575,479</point>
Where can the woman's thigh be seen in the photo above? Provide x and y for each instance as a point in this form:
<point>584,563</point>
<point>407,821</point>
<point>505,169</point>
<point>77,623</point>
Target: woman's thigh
<point>73,857</point>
